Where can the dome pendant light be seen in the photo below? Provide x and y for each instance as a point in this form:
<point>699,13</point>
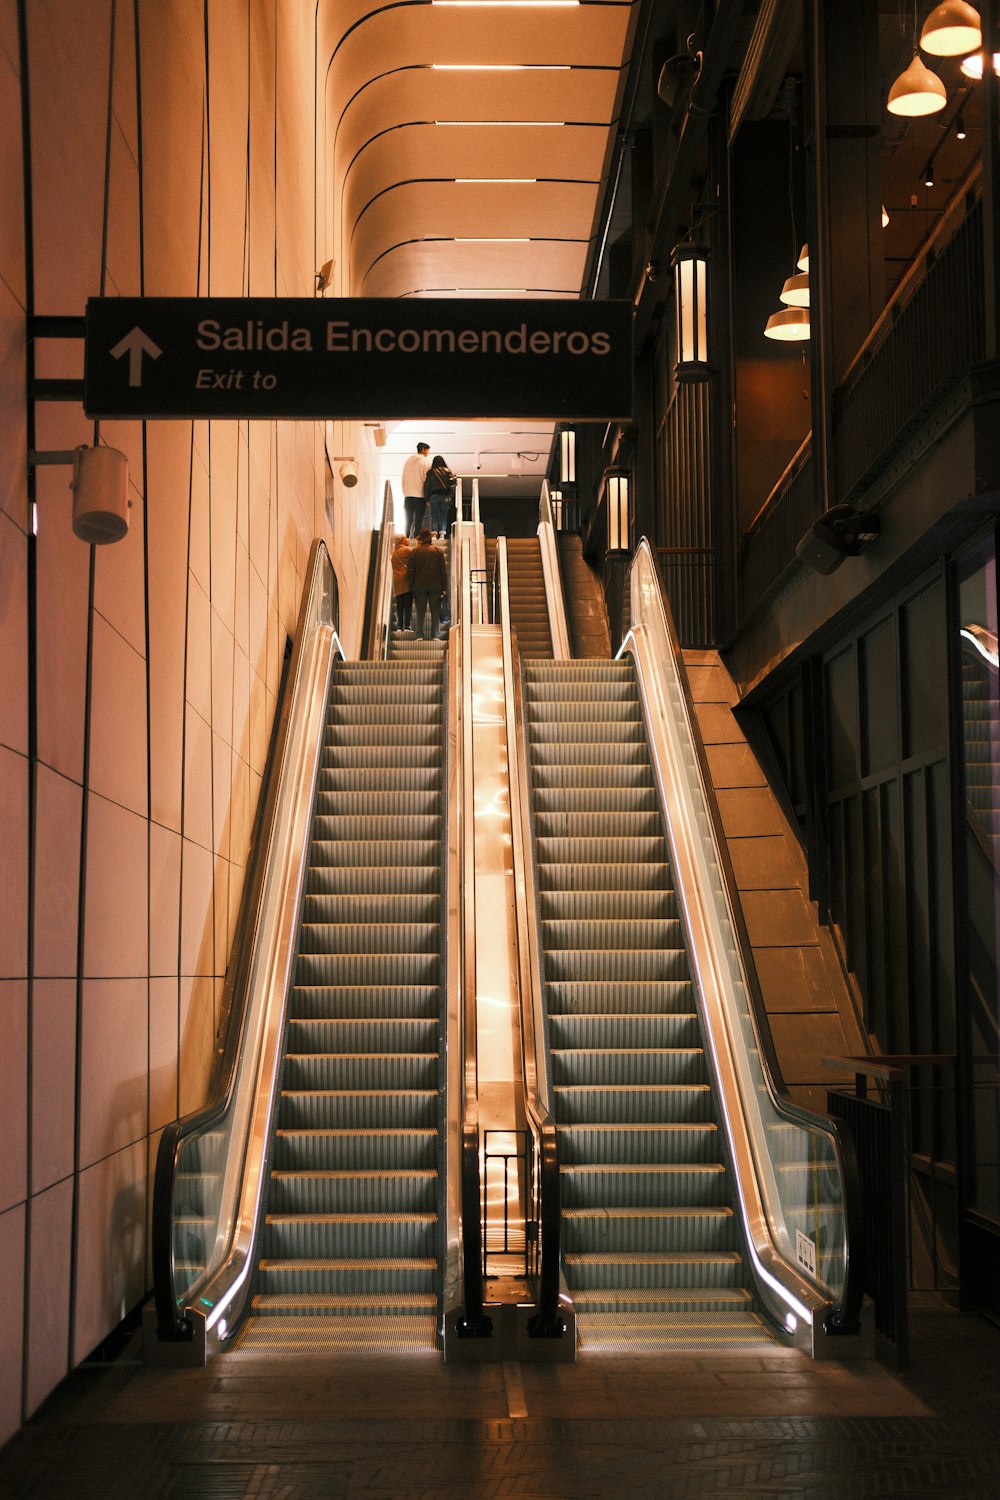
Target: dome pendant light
<point>918,91</point>
<point>951,30</point>
<point>795,292</point>
<point>790,325</point>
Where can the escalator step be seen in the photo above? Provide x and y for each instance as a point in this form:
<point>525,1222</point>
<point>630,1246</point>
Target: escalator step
<point>343,1001</point>
<point>583,1067</point>
<point>384,938</point>
<point>340,1150</point>
<point>380,1191</point>
<point>584,1104</point>
<point>329,1109</point>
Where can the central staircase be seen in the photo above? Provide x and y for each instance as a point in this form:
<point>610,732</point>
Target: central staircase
<point>652,1253</point>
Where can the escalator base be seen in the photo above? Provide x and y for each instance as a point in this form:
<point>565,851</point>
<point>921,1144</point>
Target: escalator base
<point>343,1336</point>
<point>616,1333</point>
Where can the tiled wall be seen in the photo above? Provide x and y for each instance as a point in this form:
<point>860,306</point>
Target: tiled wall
<point>137,681</point>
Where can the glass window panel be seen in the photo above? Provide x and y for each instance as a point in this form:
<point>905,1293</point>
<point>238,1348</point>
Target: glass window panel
<point>925,672</point>
<point>842,720</point>
<point>880,680</point>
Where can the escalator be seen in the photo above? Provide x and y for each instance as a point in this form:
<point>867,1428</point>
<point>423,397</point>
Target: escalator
<point>651,1247</point>
<point>350,1245</point>
<point>529,609</point>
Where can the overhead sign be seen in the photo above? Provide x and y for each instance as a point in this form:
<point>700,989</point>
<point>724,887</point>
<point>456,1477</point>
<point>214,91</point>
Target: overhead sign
<point>368,358</point>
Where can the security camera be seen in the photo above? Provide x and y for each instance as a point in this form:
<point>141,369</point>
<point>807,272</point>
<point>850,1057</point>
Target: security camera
<point>840,532</point>
<point>349,474</point>
<point>100,495</point>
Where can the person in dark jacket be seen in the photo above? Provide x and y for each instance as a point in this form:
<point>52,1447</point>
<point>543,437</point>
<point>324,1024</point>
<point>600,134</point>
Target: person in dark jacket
<point>427,573</point>
<point>439,484</point>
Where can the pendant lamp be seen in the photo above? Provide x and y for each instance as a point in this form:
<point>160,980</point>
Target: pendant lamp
<point>790,325</point>
<point>972,66</point>
<point>795,292</point>
<point>917,91</point>
<point>803,261</point>
<point>952,30</point>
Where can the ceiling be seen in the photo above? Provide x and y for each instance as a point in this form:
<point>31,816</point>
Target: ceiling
<point>467,141</point>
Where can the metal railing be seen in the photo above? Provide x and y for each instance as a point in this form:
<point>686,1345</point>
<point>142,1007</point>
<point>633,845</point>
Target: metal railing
<point>210,1165</point>
<point>931,330</point>
<point>545,1211</point>
<point>381,601</point>
<point>797,1194</point>
<point>558,627</point>
<point>464,1229</point>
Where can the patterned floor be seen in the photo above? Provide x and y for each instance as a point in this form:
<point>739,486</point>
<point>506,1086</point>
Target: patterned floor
<point>771,1426</point>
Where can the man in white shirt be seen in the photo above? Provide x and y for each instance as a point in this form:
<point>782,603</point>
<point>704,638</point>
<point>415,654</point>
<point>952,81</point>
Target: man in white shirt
<point>414,473</point>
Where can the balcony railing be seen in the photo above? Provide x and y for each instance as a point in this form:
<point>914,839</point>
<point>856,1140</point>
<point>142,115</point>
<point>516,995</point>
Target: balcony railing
<point>930,332</point>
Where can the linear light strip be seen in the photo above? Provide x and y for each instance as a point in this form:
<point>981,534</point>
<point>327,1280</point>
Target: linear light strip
<point>494,179</point>
<point>489,239</point>
<point>500,67</point>
<point>499,122</point>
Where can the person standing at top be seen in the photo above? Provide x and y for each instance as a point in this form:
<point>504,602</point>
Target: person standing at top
<point>427,574</point>
<point>414,473</point>
<point>438,485</point>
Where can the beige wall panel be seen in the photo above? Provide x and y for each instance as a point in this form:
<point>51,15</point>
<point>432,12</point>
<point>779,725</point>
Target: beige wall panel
<point>223,648</point>
<point>197,918</point>
<point>228,63</point>
<point>116,912</point>
<point>63,568</point>
<point>13,636</point>
<point>241,816</point>
<point>119,570</point>
<point>197,780</point>
<point>11,1318</point>
<point>58,808</point>
<point>14,1092</point>
<point>241,705</point>
<point>11,220</point>
<point>124,257</point>
<point>113,1061</point>
<point>222,791</point>
<point>51,1218</point>
<point>200,543</point>
<point>14,865</point>
<point>262,708</point>
<point>260,520</point>
<point>242,488</point>
<point>198,679</point>
<point>68,47</point>
<point>14,449</point>
<point>222,518</point>
<point>164,1021</point>
<point>164,900</point>
<point>53,1080</point>
<point>262,185</point>
<point>257,640</point>
<point>172,61</point>
<point>221,913</point>
<point>118,720</point>
<point>110,1277</point>
<point>123,101</point>
<point>166,519</point>
<point>197,1041</point>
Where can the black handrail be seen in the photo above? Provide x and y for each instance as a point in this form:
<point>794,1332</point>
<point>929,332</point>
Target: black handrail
<point>171,1325</point>
<point>845,1316</point>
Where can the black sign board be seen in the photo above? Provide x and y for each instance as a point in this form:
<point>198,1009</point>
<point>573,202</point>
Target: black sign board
<point>369,358</point>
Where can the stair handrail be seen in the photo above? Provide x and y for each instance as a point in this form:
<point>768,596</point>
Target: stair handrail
<point>811,1300</point>
<point>535,1057</point>
<point>204,1307</point>
<point>554,596</point>
<point>381,616</point>
<point>463,1049</point>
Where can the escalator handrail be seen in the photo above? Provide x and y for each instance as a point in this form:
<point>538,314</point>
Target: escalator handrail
<point>473,1318</point>
<point>843,1314</point>
<point>536,1063</point>
<point>381,621</point>
<point>554,598</point>
<point>319,604</point>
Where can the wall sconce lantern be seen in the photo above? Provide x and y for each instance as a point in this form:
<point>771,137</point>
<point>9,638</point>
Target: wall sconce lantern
<point>690,264</point>
<point>618,512</point>
<point>567,456</point>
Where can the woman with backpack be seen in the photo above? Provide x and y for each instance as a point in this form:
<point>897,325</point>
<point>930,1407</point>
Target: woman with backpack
<point>438,487</point>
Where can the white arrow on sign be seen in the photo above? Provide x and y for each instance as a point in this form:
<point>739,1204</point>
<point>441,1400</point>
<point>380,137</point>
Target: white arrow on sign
<point>135,345</point>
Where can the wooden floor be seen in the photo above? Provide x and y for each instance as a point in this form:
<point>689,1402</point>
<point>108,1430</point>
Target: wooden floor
<point>286,1428</point>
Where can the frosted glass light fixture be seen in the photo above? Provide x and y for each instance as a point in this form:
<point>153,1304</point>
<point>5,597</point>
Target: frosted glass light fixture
<point>917,91</point>
<point>567,456</point>
<point>618,517</point>
<point>951,30</point>
<point>690,263</point>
